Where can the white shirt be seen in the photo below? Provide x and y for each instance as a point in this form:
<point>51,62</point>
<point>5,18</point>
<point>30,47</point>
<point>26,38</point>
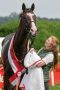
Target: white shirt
<point>48,58</point>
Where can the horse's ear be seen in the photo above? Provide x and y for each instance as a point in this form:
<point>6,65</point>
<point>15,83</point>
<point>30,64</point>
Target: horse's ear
<point>23,7</point>
<point>32,7</point>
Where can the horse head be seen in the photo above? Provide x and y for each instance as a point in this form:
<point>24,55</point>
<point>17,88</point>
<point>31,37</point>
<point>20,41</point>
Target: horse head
<point>28,19</point>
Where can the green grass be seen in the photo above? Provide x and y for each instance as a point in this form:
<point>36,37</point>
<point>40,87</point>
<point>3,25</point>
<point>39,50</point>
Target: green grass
<point>56,87</point>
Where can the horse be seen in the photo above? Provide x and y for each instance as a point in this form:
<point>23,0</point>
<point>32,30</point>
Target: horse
<point>18,43</point>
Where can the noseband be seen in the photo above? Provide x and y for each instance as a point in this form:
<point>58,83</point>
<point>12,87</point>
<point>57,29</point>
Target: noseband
<point>32,21</point>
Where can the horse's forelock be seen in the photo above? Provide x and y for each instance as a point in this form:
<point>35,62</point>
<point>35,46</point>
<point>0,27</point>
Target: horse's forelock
<point>24,12</point>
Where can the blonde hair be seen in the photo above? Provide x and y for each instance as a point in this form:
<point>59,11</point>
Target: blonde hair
<point>55,49</point>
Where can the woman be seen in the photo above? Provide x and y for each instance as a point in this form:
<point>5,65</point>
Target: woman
<point>33,79</point>
<point>49,57</point>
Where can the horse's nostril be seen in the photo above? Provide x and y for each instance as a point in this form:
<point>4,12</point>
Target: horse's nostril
<point>32,30</point>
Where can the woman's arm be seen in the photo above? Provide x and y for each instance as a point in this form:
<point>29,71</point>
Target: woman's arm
<point>42,63</point>
<point>46,60</point>
<point>31,59</point>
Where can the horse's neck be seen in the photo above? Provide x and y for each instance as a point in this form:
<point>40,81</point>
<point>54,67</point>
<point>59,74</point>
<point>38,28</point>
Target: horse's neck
<point>20,45</point>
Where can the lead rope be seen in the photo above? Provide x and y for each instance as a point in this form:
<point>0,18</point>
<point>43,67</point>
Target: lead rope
<point>18,84</point>
<point>29,42</point>
<point>27,52</point>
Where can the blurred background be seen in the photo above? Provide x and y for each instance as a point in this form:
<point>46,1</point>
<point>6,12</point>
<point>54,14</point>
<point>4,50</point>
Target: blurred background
<point>48,23</point>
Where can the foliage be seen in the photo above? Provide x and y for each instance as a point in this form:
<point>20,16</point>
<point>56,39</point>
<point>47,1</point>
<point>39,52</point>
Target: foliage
<point>45,27</point>
<point>8,27</point>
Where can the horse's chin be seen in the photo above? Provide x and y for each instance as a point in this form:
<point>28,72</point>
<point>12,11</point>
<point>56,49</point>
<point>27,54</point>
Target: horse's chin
<point>34,35</point>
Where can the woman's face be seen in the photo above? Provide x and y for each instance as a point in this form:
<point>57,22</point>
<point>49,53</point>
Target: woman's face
<point>48,43</point>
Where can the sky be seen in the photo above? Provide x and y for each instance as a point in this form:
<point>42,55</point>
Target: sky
<point>43,8</point>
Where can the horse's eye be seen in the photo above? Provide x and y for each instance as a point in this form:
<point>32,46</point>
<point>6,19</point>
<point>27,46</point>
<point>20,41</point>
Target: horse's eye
<point>28,20</point>
<point>24,18</point>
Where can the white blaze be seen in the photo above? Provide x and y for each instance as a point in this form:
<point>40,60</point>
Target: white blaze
<point>33,26</point>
